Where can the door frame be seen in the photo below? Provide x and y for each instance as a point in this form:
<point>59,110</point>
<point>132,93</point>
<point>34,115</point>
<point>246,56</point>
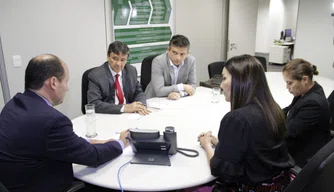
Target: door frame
<point>3,76</point>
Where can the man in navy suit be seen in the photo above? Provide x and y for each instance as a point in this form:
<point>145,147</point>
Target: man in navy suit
<point>37,142</point>
<point>113,87</point>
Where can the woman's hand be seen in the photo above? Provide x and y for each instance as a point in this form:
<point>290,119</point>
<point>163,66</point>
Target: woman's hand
<point>205,141</point>
<point>202,134</point>
<point>214,140</point>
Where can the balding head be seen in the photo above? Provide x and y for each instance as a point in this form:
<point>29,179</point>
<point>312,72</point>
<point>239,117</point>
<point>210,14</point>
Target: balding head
<point>42,67</point>
<point>47,76</point>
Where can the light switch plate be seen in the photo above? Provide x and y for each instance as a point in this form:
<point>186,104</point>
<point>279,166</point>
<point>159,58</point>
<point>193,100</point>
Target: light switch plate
<point>17,60</point>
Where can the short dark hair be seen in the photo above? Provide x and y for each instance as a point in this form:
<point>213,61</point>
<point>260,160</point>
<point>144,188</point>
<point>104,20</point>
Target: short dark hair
<point>297,68</point>
<point>179,41</point>
<point>118,47</point>
<point>249,85</point>
<point>42,67</point>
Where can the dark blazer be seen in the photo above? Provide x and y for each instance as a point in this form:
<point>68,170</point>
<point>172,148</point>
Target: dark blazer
<point>38,146</point>
<point>101,91</point>
<point>307,122</point>
<point>248,152</point>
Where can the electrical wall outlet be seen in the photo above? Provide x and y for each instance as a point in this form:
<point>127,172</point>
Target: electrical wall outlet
<point>17,61</point>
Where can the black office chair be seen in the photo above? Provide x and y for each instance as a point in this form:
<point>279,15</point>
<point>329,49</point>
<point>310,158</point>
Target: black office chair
<point>76,186</point>
<point>263,61</point>
<point>215,68</point>
<point>146,69</point>
<point>3,188</point>
<point>84,89</point>
<point>317,174</point>
<point>331,105</point>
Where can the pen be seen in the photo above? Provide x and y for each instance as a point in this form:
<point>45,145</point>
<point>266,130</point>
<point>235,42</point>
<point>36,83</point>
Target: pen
<point>154,107</point>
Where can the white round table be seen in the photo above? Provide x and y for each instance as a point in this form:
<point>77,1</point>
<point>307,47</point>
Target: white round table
<point>190,116</point>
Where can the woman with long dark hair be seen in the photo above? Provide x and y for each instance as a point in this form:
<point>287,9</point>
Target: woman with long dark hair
<point>250,151</point>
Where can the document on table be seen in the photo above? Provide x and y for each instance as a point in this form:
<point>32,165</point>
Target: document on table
<point>160,104</point>
<point>135,116</point>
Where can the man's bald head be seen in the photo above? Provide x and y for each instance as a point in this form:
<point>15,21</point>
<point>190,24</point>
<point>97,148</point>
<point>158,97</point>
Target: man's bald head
<point>42,67</point>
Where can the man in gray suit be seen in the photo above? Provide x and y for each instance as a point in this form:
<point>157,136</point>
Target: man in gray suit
<point>174,72</point>
<point>113,87</point>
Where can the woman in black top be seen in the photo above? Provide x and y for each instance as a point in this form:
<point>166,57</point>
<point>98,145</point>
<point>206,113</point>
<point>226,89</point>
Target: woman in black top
<point>308,116</point>
<point>250,150</point>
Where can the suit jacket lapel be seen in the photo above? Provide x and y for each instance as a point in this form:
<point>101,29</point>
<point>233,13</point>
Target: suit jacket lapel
<point>110,79</point>
<point>171,72</point>
<point>181,73</point>
<point>124,82</point>
<point>294,103</point>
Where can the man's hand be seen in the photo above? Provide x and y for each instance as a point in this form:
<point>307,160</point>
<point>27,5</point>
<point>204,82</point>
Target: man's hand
<point>174,96</point>
<point>189,89</point>
<point>123,137</point>
<point>136,107</point>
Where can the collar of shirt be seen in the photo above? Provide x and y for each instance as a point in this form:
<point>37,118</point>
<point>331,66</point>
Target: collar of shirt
<point>174,66</point>
<point>113,73</point>
<point>47,101</point>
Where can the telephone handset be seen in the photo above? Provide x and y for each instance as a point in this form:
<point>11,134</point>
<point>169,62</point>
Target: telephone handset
<point>170,137</point>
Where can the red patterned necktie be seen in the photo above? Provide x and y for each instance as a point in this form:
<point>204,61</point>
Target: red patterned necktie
<point>119,92</point>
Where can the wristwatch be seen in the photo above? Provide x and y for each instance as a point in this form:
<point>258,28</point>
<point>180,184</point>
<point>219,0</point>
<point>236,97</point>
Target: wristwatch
<point>183,93</point>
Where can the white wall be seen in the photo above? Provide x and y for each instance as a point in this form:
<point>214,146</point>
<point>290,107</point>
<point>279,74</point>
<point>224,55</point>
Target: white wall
<point>202,22</point>
<point>276,16</point>
<point>315,32</point>
<point>73,30</point>
<point>262,27</point>
<point>2,102</point>
<point>290,15</point>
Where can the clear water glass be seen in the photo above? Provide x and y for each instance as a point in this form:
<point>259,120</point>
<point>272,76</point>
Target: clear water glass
<point>90,119</point>
<point>215,95</point>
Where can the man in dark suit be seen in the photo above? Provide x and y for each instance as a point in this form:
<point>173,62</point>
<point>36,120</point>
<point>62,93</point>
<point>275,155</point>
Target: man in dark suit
<point>113,87</point>
<point>38,145</point>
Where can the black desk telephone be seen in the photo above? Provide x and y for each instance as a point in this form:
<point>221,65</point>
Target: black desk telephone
<point>154,149</point>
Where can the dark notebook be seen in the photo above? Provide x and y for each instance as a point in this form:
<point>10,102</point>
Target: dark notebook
<point>151,159</point>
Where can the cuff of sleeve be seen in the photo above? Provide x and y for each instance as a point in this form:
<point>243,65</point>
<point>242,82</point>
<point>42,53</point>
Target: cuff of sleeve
<point>120,143</point>
<point>88,140</point>
<point>122,109</point>
<point>183,93</point>
<point>180,87</point>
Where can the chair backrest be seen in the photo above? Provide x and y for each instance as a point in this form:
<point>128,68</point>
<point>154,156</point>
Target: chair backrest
<point>84,89</point>
<point>263,61</point>
<point>145,72</point>
<point>331,105</point>
<point>317,174</point>
<point>215,68</point>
